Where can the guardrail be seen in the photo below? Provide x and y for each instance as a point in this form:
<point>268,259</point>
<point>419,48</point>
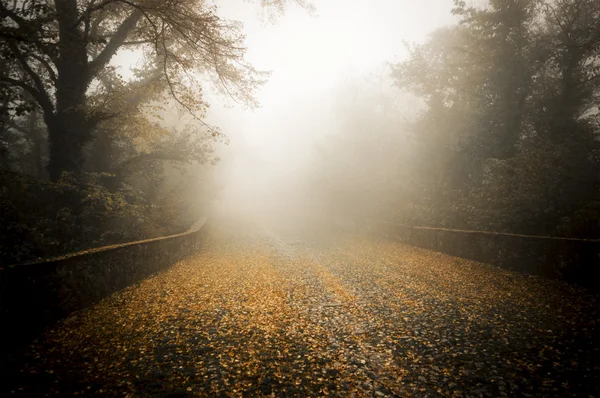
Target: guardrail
<point>34,295</point>
<point>571,259</point>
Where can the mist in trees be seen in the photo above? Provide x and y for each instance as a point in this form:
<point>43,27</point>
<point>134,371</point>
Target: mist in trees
<point>489,122</point>
<point>91,156</point>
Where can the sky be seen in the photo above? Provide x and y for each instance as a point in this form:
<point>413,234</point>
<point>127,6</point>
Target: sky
<point>312,59</point>
<point>309,56</point>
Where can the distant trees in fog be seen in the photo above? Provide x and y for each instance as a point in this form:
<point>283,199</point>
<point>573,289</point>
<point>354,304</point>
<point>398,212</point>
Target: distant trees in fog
<point>68,115</point>
<point>509,137</point>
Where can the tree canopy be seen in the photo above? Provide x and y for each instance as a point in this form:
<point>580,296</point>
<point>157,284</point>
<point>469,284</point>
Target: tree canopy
<point>508,138</point>
<point>67,112</point>
<point>57,56</point>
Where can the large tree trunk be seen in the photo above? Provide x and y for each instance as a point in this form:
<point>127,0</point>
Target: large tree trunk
<point>69,131</point>
<point>67,134</point>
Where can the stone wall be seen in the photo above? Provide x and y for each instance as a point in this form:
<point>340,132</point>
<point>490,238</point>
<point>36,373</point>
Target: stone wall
<point>35,295</point>
<point>574,260</point>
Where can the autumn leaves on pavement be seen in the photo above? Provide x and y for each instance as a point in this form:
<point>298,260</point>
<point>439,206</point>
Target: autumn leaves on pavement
<point>272,315</point>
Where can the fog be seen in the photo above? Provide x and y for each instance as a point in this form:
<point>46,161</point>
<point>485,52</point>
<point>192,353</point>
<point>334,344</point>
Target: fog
<point>316,61</point>
<point>300,198</point>
<point>413,112</point>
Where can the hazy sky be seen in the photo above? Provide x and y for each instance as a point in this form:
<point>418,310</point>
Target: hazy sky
<point>309,55</point>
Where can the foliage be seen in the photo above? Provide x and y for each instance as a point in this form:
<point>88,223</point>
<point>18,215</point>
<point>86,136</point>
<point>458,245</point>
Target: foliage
<point>56,56</point>
<point>507,139</point>
<point>43,219</point>
<point>118,171</point>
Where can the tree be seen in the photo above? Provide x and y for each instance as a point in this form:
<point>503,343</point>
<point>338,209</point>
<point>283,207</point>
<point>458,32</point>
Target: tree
<point>25,140</point>
<point>57,56</point>
<point>510,93</point>
<point>572,64</point>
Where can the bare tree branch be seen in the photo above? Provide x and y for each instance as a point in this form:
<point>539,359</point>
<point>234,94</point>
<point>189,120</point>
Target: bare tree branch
<point>5,12</point>
<point>116,41</point>
<point>43,101</point>
<point>40,89</point>
<point>46,65</point>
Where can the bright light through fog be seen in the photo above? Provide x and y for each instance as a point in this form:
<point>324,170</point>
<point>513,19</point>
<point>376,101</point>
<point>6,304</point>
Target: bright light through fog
<point>310,56</point>
<point>311,59</point>
<point>300,198</point>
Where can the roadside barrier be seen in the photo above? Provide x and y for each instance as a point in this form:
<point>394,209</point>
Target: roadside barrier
<point>35,295</point>
<point>572,259</point>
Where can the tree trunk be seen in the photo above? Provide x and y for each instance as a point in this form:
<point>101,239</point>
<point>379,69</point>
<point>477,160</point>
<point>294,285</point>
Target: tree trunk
<point>67,135</point>
<point>69,131</point>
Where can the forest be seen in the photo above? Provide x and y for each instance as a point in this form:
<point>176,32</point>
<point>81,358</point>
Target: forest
<point>90,157</point>
<point>491,124</point>
<point>502,111</point>
<point>295,198</point>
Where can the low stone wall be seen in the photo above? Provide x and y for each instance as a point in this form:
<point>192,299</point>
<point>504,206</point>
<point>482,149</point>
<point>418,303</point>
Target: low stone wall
<point>35,295</point>
<point>574,260</point>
